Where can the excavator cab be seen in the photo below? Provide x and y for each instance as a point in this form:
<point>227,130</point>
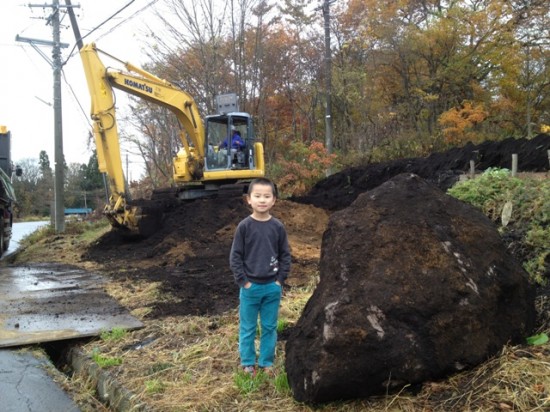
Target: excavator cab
<point>221,154</point>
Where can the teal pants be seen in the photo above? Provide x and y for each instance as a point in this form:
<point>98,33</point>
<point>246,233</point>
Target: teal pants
<point>263,301</point>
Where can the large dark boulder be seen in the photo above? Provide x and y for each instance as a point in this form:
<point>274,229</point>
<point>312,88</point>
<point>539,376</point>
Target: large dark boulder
<point>414,285</point>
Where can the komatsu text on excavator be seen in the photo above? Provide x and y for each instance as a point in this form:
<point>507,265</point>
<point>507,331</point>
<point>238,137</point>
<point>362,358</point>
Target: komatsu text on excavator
<point>204,165</point>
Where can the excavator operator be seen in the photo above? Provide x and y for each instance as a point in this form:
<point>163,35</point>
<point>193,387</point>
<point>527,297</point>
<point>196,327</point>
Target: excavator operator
<point>236,140</point>
<point>236,150</point>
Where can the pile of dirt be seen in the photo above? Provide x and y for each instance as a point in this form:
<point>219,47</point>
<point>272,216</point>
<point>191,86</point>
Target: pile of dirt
<point>407,294</point>
<point>443,169</point>
<point>188,255</point>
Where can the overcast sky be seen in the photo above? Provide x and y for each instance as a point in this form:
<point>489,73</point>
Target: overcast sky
<point>26,80</point>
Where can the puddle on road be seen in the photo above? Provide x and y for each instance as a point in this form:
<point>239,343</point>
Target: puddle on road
<point>45,303</point>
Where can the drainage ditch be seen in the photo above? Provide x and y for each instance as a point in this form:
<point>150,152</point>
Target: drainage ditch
<point>70,360</point>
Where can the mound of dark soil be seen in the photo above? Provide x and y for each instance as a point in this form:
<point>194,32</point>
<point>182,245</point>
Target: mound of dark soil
<point>414,285</point>
<point>443,169</point>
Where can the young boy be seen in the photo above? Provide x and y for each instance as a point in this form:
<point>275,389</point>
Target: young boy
<point>260,262</point>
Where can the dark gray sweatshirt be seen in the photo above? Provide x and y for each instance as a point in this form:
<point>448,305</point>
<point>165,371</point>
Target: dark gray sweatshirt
<point>260,252</point>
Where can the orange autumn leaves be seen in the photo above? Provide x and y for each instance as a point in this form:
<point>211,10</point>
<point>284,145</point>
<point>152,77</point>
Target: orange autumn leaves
<point>459,123</point>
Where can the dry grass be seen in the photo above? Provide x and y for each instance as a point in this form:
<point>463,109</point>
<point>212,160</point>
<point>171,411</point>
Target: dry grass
<point>191,364</point>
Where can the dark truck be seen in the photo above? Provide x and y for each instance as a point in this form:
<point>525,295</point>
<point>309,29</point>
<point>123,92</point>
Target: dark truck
<point>7,195</point>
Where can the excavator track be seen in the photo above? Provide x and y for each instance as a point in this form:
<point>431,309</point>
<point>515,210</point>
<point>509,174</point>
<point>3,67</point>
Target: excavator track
<point>233,190</point>
<point>172,196</point>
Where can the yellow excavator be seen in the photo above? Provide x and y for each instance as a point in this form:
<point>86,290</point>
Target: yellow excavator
<point>204,166</point>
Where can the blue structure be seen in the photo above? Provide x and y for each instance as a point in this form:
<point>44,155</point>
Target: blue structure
<point>78,211</point>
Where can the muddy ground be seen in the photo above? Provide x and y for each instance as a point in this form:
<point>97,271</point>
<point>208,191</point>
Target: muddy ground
<point>188,255</point>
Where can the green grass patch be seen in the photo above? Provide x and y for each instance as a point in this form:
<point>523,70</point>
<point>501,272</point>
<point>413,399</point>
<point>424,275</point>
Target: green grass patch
<point>282,324</point>
<point>281,384</point>
<point>247,384</point>
<point>87,230</point>
<point>93,230</point>
<point>154,386</point>
<point>39,234</point>
<point>105,361</point>
<point>114,334</point>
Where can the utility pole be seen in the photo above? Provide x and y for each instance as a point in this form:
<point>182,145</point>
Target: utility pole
<point>58,124</point>
<point>328,77</point>
<point>74,24</point>
<point>529,87</point>
<point>55,62</point>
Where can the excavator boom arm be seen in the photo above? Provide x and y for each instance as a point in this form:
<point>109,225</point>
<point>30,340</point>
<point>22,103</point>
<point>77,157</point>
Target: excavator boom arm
<point>164,94</point>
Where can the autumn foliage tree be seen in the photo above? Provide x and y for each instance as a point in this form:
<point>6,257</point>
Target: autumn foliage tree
<point>408,77</point>
<point>459,123</point>
<point>300,166</point>
<point>427,58</point>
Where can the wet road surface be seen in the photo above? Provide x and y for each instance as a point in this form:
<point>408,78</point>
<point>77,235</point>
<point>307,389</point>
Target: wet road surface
<point>19,231</point>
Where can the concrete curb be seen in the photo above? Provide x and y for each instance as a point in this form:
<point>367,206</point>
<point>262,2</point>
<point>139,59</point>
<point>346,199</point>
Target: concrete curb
<point>108,389</point>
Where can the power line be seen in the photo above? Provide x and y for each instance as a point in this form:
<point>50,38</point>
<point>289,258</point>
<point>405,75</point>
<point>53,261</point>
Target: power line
<point>96,28</point>
<point>151,3</point>
<point>76,98</point>
<point>129,18</point>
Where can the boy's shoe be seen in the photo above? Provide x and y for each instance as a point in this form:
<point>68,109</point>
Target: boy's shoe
<point>268,370</point>
<point>250,370</point>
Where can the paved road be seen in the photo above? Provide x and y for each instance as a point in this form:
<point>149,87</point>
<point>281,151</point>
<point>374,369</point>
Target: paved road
<point>25,385</point>
<point>19,231</point>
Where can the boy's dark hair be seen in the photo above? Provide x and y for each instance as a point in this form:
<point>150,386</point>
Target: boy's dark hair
<point>263,181</point>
